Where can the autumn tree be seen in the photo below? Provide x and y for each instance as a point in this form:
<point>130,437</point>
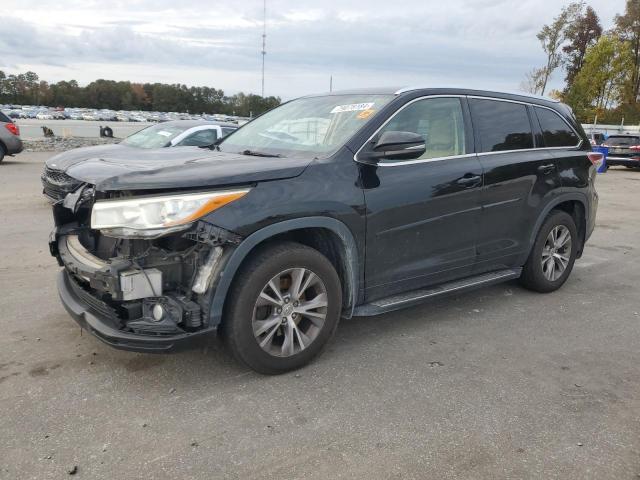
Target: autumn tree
<point>553,36</point>
<point>580,34</point>
<point>533,81</point>
<point>628,30</point>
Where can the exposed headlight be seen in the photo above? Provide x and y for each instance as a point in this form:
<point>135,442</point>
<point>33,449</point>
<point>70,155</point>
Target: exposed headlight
<point>155,216</point>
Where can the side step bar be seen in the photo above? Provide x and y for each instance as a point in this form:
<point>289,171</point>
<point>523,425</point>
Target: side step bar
<point>415,297</point>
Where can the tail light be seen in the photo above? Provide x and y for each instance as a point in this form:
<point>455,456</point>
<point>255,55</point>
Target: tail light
<point>13,128</point>
<point>635,148</point>
<point>596,158</point>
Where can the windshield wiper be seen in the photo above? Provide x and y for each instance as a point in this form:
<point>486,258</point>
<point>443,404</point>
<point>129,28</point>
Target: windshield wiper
<point>253,153</point>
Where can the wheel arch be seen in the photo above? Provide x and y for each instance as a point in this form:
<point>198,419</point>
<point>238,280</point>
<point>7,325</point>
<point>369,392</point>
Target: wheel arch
<point>576,205</point>
<point>327,235</point>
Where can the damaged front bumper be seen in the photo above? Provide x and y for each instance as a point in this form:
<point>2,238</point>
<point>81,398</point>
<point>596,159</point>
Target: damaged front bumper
<point>88,315</point>
<point>155,301</point>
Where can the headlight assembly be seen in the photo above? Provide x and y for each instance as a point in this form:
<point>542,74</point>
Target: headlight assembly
<point>149,217</point>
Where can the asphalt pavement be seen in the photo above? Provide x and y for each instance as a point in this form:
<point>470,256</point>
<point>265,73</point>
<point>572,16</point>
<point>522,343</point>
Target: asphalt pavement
<point>500,383</point>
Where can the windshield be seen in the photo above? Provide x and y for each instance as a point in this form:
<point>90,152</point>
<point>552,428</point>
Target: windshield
<point>311,126</point>
<point>156,136</point>
<point>613,141</point>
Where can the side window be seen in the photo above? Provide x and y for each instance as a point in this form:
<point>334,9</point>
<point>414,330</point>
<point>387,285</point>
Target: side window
<point>555,131</point>
<point>501,125</point>
<point>201,138</point>
<point>438,120</point>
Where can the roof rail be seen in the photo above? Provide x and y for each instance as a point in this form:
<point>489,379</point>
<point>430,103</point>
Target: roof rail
<point>520,94</point>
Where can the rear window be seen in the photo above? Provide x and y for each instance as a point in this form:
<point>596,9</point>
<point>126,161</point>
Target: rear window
<point>4,118</point>
<point>555,131</point>
<point>501,125</point>
<point>614,141</point>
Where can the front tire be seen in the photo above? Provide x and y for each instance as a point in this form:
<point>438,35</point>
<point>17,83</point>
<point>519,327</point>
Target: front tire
<point>284,306</point>
<point>553,254</point>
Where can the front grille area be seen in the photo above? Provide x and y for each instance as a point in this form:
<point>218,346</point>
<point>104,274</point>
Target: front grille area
<point>95,303</point>
<point>58,184</point>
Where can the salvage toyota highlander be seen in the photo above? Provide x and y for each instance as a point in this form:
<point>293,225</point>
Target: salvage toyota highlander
<point>329,206</point>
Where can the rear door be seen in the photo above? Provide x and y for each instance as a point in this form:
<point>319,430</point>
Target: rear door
<point>422,215</point>
<point>519,179</point>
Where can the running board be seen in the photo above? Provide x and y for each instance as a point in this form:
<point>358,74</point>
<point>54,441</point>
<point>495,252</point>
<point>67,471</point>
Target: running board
<point>415,297</point>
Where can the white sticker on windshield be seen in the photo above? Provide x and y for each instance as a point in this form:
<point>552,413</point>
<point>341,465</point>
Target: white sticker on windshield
<point>164,134</point>
<point>354,107</point>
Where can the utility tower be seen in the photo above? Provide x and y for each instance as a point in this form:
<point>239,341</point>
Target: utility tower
<point>264,39</point>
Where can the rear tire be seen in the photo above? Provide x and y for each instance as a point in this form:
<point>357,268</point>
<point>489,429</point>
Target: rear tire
<point>273,331</point>
<point>3,152</point>
<point>553,254</point>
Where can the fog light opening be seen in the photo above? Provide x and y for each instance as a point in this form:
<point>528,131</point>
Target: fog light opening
<point>157,312</point>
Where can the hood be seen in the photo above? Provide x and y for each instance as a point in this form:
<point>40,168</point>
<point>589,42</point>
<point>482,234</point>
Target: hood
<point>118,167</point>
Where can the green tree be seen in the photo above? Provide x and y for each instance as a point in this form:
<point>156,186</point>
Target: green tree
<point>599,85</point>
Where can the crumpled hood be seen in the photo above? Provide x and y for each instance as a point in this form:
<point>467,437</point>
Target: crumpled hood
<point>118,167</point>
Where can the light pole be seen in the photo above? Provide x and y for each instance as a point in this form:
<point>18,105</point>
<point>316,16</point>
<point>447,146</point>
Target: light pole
<point>264,39</point>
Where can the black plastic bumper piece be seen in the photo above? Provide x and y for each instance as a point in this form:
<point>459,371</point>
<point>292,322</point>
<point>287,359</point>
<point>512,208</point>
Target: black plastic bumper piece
<point>101,326</point>
<point>614,161</point>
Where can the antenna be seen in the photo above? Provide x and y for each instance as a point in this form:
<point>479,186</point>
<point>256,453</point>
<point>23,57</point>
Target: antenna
<point>264,40</point>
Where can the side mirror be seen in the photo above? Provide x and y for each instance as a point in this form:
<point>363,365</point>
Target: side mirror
<point>395,145</point>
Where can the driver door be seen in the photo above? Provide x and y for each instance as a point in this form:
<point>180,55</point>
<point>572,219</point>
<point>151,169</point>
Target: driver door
<point>423,214</point>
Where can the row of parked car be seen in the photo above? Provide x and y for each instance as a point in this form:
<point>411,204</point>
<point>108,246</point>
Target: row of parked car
<point>90,114</point>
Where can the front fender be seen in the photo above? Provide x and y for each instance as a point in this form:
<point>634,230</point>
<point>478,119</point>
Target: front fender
<point>248,244</point>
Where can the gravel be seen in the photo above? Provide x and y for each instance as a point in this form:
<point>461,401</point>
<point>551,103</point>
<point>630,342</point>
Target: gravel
<point>61,144</point>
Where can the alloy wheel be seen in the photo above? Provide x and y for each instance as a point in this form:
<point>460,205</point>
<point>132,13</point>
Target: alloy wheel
<point>290,312</point>
<point>556,253</point>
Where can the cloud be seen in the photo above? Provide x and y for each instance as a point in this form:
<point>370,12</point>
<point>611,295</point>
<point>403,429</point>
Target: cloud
<point>489,43</point>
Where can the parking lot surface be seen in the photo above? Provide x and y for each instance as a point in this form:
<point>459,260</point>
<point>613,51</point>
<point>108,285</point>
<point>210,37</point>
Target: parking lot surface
<point>31,129</point>
<point>496,383</point>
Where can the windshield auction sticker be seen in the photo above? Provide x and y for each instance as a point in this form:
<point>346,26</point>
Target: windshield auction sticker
<point>354,107</point>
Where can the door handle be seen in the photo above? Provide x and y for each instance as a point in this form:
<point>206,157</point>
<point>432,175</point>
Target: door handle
<point>546,169</point>
<point>469,180</point>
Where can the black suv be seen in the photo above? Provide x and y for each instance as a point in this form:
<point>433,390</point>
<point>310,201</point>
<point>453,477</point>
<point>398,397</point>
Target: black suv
<point>624,150</point>
<point>336,205</point>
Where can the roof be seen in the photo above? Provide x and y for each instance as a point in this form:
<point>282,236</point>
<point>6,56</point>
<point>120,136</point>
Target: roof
<point>434,90</point>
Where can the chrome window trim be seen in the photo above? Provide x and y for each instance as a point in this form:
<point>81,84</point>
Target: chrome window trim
<point>466,155</point>
<point>423,160</point>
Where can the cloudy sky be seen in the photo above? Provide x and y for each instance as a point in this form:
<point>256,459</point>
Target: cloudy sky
<point>484,43</point>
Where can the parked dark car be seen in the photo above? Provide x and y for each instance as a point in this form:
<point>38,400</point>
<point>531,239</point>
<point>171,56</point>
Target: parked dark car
<point>10,142</point>
<point>624,150</point>
<point>140,146</point>
<point>329,206</point>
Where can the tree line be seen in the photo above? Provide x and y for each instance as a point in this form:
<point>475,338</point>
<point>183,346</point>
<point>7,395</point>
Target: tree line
<point>601,68</point>
<point>28,89</point>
